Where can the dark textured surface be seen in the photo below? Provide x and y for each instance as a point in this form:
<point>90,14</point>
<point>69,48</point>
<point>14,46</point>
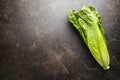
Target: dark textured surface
<point>38,43</point>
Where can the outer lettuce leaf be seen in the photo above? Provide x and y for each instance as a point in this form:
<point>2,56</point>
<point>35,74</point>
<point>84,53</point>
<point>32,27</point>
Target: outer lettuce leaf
<point>89,24</point>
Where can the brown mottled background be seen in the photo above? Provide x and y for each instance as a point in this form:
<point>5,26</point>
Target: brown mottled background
<point>38,43</point>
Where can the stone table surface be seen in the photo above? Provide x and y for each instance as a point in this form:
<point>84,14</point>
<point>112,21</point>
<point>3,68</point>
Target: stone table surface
<point>38,43</point>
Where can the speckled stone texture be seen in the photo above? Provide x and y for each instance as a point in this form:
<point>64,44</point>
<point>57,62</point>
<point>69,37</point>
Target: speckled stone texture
<point>38,43</point>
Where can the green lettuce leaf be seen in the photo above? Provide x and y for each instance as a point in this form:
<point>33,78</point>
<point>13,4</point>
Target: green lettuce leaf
<point>89,24</point>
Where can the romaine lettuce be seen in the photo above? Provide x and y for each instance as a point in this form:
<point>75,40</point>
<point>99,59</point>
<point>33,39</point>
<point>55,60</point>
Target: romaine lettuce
<point>89,24</point>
